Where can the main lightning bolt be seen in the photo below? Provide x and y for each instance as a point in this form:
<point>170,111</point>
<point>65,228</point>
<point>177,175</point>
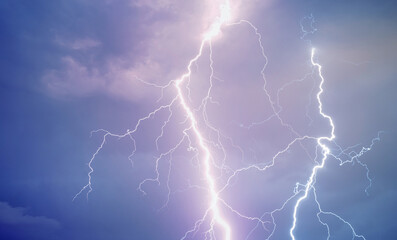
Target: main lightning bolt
<point>193,131</point>
<point>214,31</point>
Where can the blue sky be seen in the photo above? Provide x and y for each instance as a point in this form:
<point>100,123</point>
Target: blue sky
<point>70,67</point>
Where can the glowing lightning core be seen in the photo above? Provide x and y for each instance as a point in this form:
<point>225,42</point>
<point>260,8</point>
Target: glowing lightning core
<point>214,31</point>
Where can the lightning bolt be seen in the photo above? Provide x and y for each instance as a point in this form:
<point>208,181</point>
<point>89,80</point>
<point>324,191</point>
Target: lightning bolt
<point>214,208</point>
<point>207,155</point>
<point>214,31</point>
<point>192,133</point>
<point>325,150</point>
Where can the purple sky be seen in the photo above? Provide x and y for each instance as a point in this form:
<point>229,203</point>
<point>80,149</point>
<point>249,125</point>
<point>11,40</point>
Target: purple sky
<point>70,67</point>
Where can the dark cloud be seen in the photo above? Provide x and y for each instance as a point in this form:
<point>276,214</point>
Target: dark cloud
<point>18,216</point>
<point>16,223</point>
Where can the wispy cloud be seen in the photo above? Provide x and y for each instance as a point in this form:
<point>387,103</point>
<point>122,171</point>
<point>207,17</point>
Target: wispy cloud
<point>78,44</point>
<point>72,79</point>
<point>18,216</point>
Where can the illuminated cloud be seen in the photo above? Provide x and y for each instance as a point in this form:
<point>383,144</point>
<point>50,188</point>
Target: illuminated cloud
<point>168,42</point>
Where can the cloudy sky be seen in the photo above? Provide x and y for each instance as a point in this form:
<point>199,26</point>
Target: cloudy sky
<point>71,67</point>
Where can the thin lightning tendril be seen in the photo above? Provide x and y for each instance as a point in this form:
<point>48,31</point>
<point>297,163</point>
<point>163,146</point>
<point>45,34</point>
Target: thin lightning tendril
<point>205,159</point>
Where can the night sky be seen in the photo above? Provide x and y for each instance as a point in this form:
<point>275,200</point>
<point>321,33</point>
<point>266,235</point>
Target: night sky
<point>69,67</point>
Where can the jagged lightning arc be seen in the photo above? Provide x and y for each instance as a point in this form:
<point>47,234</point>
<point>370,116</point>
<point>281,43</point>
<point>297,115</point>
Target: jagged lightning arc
<point>217,220</point>
<point>326,153</point>
<point>214,30</point>
<point>324,147</point>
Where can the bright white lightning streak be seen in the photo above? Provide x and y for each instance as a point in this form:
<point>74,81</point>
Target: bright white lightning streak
<point>214,31</point>
<point>325,150</point>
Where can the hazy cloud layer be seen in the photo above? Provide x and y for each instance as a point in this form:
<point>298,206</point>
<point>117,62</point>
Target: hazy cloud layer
<point>18,216</point>
<point>172,31</point>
